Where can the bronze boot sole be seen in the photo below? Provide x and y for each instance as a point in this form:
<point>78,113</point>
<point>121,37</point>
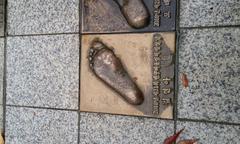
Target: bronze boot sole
<point>109,69</point>
<point>135,12</point>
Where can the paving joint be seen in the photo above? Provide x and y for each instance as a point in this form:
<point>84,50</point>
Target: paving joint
<point>212,27</point>
<point>46,108</point>
<point>79,68</point>
<point>207,121</point>
<point>5,65</point>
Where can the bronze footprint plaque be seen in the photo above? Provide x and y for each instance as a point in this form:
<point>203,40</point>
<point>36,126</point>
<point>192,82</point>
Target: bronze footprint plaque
<point>129,74</point>
<point>108,16</point>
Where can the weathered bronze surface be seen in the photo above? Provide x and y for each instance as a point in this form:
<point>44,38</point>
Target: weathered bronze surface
<point>135,12</point>
<point>147,57</point>
<point>108,68</point>
<point>103,16</point>
<point>107,16</point>
<point>162,75</point>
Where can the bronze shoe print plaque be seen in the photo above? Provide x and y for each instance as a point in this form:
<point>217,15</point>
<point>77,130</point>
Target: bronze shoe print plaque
<point>108,68</point>
<point>109,16</point>
<point>128,74</point>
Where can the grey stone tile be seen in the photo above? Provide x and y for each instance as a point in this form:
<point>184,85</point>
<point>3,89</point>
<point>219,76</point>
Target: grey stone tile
<point>1,118</point>
<point>40,126</point>
<point>211,60</point>
<point>43,71</point>
<point>1,18</point>
<point>209,133</point>
<point>1,68</point>
<point>41,17</point>
<point>195,13</point>
<point>113,129</point>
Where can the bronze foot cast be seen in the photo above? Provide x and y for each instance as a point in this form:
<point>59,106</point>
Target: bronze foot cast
<point>109,69</point>
<point>135,12</point>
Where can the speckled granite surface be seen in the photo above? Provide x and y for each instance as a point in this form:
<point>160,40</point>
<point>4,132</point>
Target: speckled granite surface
<point>1,68</point>
<point>37,16</point>
<point>211,60</point>
<point>1,118</point>
<point>115,129</point>
<point>38,126</point>
<point>209,133</point>
<point>195,13</point>
<point>1,18</point>
<point>43,71</point>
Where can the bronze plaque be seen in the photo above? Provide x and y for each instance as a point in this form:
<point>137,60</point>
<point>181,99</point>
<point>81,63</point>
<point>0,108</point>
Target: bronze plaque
<point>106,16</point>
<point>129,74</point>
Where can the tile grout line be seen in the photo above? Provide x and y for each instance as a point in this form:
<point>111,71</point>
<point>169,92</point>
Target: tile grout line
<point>176,64</point>
<point>179,119</point>
<point>124,115</point>
<point>114,33</point>
<point>4,85</point>
<point>5,67</point>
<point>211,27</point>
<point>207,121</point>
<point>176,80</point>
<point>103,33</point>
<point>46,108</point>
<point>79,68</point>
<point>125,32</point>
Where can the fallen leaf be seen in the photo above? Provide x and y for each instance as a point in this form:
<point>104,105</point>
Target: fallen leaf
<point>189,141</point>
<point>173,138</point>
<point>185,81</point>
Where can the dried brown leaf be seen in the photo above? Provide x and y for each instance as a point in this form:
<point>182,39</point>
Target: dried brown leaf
<point>173,138</point>
<point>185,81</point>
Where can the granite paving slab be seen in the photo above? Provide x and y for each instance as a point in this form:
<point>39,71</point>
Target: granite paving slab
<point>1,17</point>
<point>41,126</point>
<point>210,58</point>
<point>1,118</point>
<point>1,68</point>
<point>42,17</point>
<point>42,71</point>
<point>195,13</point>
<point>113,129</point>
<point>209,133</point>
